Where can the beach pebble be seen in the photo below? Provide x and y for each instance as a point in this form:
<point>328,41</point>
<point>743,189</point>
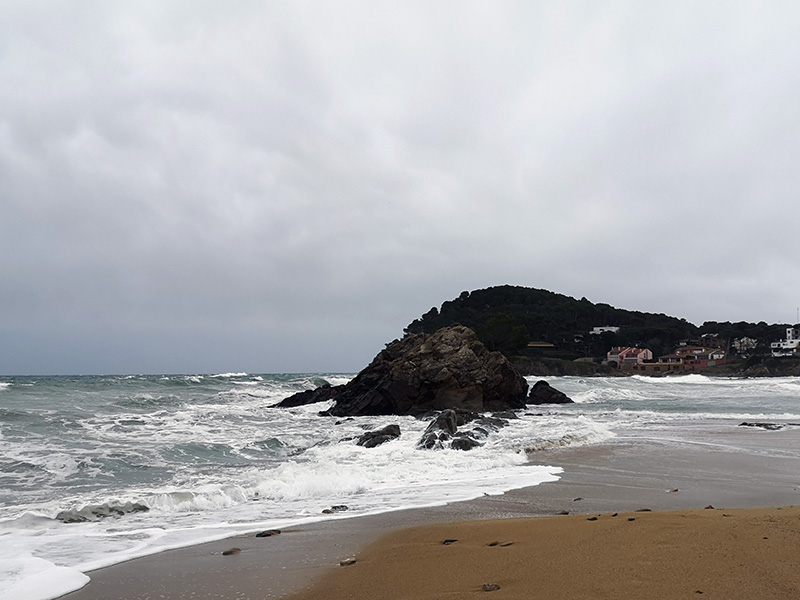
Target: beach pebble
<point>592,519</point>
<point>231,551</point>
<point>490,587</point>
<point>347,561</point>
<point>493,544</point>
<point>268,533</point>
<point>577,499</point>
<point>709,507</point>
<point>563,512</point>
<point>506,544</point>
<point>631,518</point>
<point>449,541</point>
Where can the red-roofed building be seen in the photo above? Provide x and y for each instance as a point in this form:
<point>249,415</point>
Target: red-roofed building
<point>622,357</point>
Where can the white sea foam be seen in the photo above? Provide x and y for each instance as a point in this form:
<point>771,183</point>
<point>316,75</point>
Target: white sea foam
<point>29,578</point>
<point>4,385</point>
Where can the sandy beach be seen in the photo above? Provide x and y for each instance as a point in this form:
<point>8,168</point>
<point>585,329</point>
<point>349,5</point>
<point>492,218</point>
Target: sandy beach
<point>400,554</point>
<point>724,554</point>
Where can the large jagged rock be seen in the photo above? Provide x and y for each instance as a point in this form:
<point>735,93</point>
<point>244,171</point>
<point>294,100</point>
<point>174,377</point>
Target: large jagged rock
<point>449,368</point>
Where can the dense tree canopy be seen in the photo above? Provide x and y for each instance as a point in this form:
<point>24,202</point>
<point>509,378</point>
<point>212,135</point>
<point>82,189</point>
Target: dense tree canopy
<point>499,315</point>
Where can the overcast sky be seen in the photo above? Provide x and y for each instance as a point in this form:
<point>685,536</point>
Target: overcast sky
<point>203,186</point>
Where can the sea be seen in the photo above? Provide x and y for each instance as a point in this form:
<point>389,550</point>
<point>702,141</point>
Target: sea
<point>95,470</point>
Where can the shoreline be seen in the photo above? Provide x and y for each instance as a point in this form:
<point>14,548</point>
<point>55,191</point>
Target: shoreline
<point>756,469</point>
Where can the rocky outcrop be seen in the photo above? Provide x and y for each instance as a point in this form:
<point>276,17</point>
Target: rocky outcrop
<point>449,368</point>
<point>543,393</point>
<point>379,436</point>
<point>419,373</point>
<point>321,394</point>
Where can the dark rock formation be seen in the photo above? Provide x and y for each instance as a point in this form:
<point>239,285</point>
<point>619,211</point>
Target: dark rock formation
<point>543,393</point>
<point>379,436</point>
<point>321,394</point>
<point>464,441</point>
<point>440,430</point>
<point>443,431</point>
<point>449,368</point>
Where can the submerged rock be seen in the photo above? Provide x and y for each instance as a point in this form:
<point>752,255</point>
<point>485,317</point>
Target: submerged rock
<point>449,368</point>
<point>443,430</point>
<point>543,393</point>
<point>95,512</point>
<point>379,436</point>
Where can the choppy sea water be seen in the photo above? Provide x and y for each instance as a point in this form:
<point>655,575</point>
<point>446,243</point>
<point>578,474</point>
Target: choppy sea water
<point>208,457</point>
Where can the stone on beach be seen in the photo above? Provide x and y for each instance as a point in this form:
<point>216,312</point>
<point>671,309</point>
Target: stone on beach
<point>268,533</point>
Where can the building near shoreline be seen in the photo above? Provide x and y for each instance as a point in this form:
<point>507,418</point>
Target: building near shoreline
<point>623,357</point>
<point>604,329</point>
<point>788,346</point>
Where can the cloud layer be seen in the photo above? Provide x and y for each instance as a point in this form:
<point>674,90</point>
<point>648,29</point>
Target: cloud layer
<point>191,186</point>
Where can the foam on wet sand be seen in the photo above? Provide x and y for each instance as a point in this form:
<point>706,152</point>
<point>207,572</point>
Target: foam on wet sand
<point>597,480</point>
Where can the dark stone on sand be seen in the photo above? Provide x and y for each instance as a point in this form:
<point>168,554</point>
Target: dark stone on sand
<point>767,426</point>
<point>449,541</point>
<point>592,519</point>
<point>379,436</point>
<point>450,368</point>
<point>321,394</point>
<point>231,551</point>
<point>335,509</point>
<point>644,510</point>
<point>268,533</point>
<point>543,393</point>
<point>490,587</point>
<point>631,518</point>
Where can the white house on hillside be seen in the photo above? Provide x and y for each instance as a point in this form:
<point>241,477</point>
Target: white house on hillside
<point>790,345</point>
<point>603,329</point>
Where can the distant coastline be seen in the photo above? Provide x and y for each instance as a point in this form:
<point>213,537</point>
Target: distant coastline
<point>758,367</point>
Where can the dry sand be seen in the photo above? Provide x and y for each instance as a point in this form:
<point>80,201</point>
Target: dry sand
<point>716,555</point>
<point>750,554</point>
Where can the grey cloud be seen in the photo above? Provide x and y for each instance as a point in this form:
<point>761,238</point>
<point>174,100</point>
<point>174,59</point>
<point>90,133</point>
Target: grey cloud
<point>285,187</point>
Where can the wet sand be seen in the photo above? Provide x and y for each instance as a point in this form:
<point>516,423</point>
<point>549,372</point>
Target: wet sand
<point>756,469</point>
<point>725,554</point>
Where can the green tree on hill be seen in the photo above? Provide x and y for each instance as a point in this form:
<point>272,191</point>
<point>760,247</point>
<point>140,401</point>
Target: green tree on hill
<point>502,332</point>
